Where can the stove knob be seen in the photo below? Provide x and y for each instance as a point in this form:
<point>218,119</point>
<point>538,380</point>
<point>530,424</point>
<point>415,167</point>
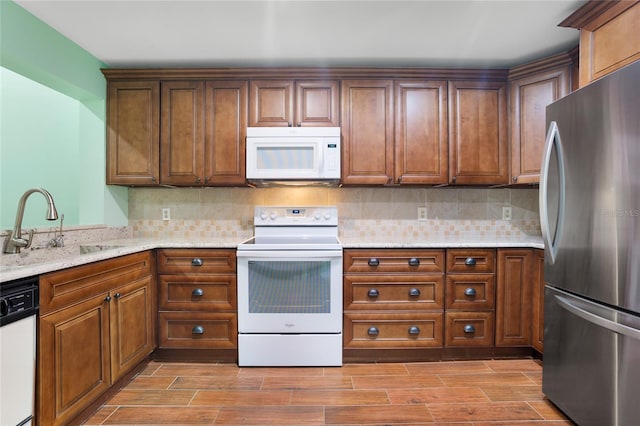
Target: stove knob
<point>327,216</point>
<point>273,216</point>
<point>317,216</point>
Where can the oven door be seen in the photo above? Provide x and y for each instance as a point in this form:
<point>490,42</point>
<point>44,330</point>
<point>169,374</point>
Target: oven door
<point>290,292</point>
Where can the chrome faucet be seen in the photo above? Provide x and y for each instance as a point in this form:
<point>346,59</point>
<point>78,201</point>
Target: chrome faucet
<point>14,241</point>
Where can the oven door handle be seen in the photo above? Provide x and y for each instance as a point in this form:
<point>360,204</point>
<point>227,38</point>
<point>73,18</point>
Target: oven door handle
<point>289,254</point>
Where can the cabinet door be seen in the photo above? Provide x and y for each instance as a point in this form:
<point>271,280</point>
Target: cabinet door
<point>529,98</point>
<point>513,301</point>
<point>226,129</point>
<point>271,103</point>
<point>73,360</point>
<point>132,326</point>
<point>478,133</point>
<point>367,131</point>
<point>182,133</point>
<point>317,104</point>
<point>421,139</point>
<point>537,321</point>
<point>133,133</point>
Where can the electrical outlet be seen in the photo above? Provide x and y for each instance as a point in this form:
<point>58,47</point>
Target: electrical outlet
<point>422,213</point>
<point>166,213</point>
<point>506,213</point>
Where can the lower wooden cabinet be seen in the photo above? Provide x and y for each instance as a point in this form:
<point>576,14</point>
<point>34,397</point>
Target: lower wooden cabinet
<point>436,304</point>
<point>96,324</point>
<point>537,301</point>
<point>197,300</point>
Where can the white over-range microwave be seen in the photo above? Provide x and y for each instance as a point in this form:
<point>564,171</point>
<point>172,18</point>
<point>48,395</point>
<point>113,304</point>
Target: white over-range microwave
<point>293,155</point>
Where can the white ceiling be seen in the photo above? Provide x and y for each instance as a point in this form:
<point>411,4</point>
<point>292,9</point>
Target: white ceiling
<point>212,33</point>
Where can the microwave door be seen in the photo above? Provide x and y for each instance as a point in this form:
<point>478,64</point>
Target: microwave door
<point>293,159</point>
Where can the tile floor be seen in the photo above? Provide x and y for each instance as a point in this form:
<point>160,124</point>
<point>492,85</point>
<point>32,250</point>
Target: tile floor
<point>471,393</point>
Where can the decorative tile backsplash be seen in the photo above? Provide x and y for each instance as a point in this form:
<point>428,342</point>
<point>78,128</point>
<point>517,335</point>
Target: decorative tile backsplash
<point>371,213</point>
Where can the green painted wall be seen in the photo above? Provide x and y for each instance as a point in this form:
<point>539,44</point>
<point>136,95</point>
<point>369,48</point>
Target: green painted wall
<point>52,120</point>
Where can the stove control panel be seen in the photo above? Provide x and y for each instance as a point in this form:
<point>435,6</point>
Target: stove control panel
<point>296,216</point>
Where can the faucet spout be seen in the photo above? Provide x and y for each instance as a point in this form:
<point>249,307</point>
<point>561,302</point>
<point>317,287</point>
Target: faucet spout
<point>14,241</point>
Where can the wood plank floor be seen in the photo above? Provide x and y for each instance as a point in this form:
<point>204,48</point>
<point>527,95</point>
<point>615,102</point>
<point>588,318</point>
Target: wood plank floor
<point>471,393</point>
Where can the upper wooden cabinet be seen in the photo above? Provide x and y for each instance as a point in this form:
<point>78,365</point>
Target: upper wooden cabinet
<point>478,152</point>
<point>367,131</point>
<point>203,132</point>
<point>294,103</point>
<point>531,88</point>
<point>609,36</point>
<point>182,133</point>
<point>421,139</point>
<point>133,132</point>
<point>225,132</point>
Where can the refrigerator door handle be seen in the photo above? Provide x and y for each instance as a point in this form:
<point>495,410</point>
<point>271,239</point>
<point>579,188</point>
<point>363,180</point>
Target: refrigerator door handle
<point>582,312</point>
<point>550,237</point>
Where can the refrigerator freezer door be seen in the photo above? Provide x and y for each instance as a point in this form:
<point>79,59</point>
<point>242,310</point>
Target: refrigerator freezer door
<point>592,374</point>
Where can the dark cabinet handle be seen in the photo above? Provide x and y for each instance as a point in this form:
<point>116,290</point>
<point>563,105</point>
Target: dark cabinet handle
<point>107,299</point>
<point>373,293</point>
<point>515,178</point>
<point>197,292</point>
<point>372,331</point>
<point>197,178</point>
<point>469,329</point>
<point>299,124</point>
<point>373,262</point>
<point>414,261</point>
<point>197,262</point>
<point>414,292</point>
<point>470,261</point>
<point>198,329</point>
<point>117,295</point>
<point>470,292</point>
<point>453,179</point>
<point>153,178</point>
<point>414,330</point>
<point>289,124</point>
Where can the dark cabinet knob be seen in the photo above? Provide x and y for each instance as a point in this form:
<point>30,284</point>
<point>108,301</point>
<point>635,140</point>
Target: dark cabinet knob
<point>107,299</point>
<point>197,178</point>
<point>470,261</point>
<point>373,293</point>
<point>372,331</point>
<point>469,329</point>
<point>289,124</point>
<point>299,124</point>
<point>470,292</point>
<point>414,261</point>
<point>197,292</point>
<point>198,329</point>
<point>515,178</point>
<point>197,262</point>
<point>414,330</point>
<point>453,179</point>
<point>153,178</point>
<point>373,262</point>
<point>414,292</point>
<point>117,295</point>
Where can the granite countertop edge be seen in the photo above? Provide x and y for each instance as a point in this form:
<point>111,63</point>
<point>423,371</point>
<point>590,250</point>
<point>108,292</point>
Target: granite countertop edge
<point>67,257</point>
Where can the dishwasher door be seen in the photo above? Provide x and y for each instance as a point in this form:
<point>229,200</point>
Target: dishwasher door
<point>19,307</point>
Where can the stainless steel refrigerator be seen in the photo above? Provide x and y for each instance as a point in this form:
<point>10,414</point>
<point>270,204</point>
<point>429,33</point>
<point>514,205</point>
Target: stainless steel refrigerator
<point>590,219</point>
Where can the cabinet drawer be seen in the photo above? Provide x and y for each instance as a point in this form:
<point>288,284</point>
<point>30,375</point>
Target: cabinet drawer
<point>197,330</point>
<point>410,330</point>
<point>471,261</point>
<point>196,261</point>
<point>367,292</point>
<point>408,261</point>
<point>62,288</point>
<point>197,292</point>
<point>470,291</point>
<point>469,329</point>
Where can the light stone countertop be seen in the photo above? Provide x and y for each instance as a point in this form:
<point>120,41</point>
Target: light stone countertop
<point>36,262</point>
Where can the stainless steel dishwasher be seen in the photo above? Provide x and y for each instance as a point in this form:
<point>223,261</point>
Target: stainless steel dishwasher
<point>18,312</point>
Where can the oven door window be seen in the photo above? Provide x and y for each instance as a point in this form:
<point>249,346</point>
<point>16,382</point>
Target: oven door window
<point>289,287</point>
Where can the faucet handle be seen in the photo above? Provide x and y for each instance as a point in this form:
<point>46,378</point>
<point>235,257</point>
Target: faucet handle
<point>23,243</point>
